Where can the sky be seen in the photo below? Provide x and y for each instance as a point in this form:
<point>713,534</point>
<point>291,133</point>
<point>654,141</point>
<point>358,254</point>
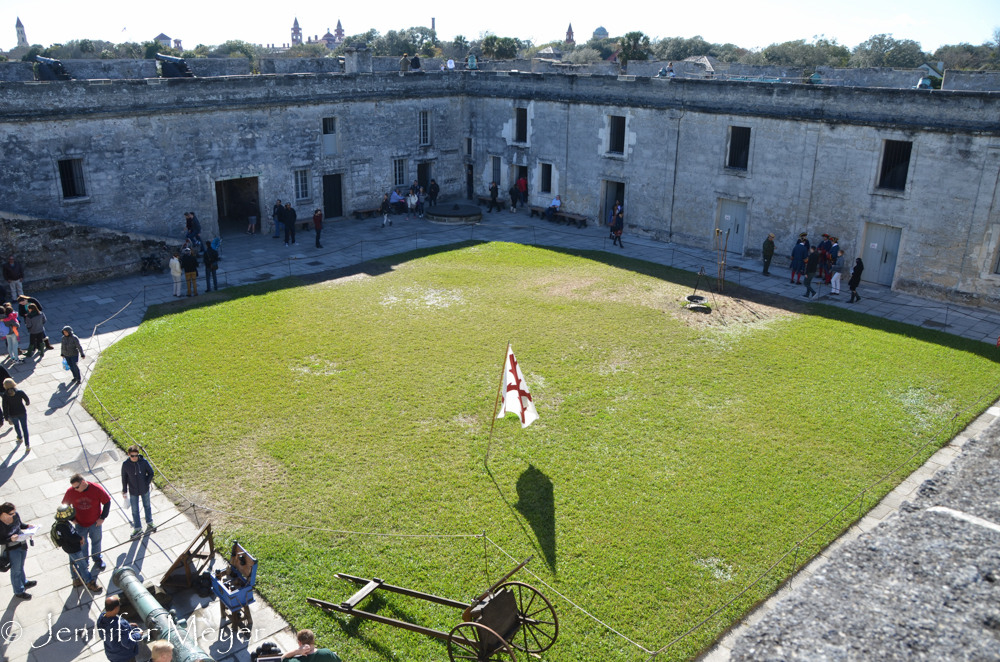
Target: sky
<point>748,24</point>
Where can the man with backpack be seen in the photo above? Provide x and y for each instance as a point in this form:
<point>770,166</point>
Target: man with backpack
<point>70,541</point>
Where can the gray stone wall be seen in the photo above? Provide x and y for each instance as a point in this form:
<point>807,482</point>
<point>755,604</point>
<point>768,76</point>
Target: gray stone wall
<point>871,77</point>
<point>16,71</point>
<point>972,81</point>
<point>553,67</point>
<point>110,69</point>
<point>57,254</point>
<point>231,66</point>
<point>300,65</point>
<point>153,149</point>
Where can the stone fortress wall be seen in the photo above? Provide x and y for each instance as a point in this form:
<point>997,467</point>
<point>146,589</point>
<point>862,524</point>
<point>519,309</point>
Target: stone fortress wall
<point>151,149</point>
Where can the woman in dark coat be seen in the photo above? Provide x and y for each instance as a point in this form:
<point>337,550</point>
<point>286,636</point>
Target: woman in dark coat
<point>852,284</point>
<point>617,228</point>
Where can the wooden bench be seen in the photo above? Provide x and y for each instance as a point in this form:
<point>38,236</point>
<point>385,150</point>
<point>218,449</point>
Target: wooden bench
<point>576,219</point>
<point>369,211</point>
<point>537,211</point>
<point>485,200</point>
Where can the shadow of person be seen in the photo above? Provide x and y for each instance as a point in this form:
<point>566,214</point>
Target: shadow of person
<point>536,504</point>
<point>71,632</point>
<point>61,397</point>
<point>7,469</point>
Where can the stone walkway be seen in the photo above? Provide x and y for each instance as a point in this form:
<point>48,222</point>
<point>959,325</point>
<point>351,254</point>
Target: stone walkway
<point>67,440</point>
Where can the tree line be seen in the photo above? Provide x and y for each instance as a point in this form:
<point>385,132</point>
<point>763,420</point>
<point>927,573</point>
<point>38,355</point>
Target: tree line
<point>881,50</point>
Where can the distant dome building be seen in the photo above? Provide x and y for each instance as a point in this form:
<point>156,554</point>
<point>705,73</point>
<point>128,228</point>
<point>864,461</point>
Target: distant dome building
<point>600,33</point>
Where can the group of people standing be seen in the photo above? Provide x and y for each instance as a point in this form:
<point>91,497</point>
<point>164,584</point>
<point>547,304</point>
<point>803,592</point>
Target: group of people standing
<point>414,202</point>
<point>825,261</point>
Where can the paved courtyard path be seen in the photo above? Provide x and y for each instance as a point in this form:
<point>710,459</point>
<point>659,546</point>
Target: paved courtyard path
<point>67,440</point>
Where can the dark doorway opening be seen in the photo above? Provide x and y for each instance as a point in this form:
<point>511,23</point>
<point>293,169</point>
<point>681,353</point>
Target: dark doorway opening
<point>237,199</point>
<point>469,182</point>
<point>612,191</point>
<point>522,171</point>
<point>333,196</point>
<point>424,175</point>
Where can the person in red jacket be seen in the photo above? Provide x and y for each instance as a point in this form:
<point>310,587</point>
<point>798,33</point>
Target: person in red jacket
<point>92,504</point>
<point>318,224</point>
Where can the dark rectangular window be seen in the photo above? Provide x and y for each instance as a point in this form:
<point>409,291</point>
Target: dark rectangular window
<point>496,169</point>
<point>522,125</point>
<point>425,127</point>
<point>468,146</point>
<point>739,147</point>
<point>895,164</point>
<point>399,172</point>
<point>616,141</point>
<point>329,125</point>
<point>71,175</point>
<point>546,178</point>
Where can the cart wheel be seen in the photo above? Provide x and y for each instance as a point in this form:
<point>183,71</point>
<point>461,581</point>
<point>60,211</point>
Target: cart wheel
<point>474,641</point>
<point>539,624</point>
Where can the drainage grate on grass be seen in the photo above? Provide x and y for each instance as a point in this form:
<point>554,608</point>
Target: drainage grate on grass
<point>263,276</point>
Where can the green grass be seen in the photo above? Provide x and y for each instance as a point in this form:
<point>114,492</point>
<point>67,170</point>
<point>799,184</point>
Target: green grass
<point>675,457</point>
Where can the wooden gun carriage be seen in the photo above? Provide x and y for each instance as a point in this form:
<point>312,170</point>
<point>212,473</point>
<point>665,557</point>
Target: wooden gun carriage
<point>507,616</point>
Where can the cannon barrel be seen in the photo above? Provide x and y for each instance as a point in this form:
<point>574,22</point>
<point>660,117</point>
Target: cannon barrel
<point>169,58</point>
<point>157,619</point>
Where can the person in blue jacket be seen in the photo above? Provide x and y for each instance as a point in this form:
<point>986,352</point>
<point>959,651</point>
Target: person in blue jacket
<point>137,474</point>
<point>121,638</point>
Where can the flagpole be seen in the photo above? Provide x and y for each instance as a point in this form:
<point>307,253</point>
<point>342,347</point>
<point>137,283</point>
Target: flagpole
<point>496,404</point>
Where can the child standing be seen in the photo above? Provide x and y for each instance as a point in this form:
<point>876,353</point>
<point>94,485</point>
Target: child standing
<point>10,321</point>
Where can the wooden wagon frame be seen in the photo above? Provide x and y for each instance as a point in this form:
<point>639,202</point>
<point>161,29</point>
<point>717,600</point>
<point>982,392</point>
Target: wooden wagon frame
<point>507,616</point>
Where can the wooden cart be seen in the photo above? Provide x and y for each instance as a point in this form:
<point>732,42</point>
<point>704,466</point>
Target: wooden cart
<point>507,616</point>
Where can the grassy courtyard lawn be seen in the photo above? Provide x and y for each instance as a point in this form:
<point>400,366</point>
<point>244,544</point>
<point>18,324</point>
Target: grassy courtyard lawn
<point>675,458</point>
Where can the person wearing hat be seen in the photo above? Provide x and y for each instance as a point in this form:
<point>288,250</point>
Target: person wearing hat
<point>15,411</point>
<point>72,351</point>
<point>67,538</point>
<point>189,263</point>
<point>767,252</point>
<point>17,549</point>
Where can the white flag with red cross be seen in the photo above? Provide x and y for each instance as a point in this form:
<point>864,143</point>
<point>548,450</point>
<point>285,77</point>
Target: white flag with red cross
<point>515,394</point>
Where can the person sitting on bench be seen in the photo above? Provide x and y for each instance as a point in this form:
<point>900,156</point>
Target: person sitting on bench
<point>553,208</point>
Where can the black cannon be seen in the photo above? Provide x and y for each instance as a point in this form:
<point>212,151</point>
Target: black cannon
<point>49,69</point>
<point>174,67</point>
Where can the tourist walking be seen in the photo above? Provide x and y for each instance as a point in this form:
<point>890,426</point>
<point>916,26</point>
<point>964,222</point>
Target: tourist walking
<point>767,252</point>
<point>288,218</point>
<point>812,264</point>
<point>432,194</point>
<point>799,255</point>
<point>421,196</point>
<point>253,212</point>
<point>22,309</point>
<point>189,263</point>
<point>34,324</point>
<point>318,226</point>
<point>176,273</point>
<point>211,262</point>
<point>276,213</point>
<point>855,280</point>
<point>617,229</point>
<point>494,191</point>
<point>13,273</point>
<point>385,208</point>
<point>137,475</point>
<point>611,218</point>
<point>522,188</point>
<point>411,204</point>
<point>71,351</point>
<point>515,195</point>
<point>12,335</point>
<point>193,236</point>
<point>15,403</point>
<point>16,544</point>
<point>836,266</point>
<point>67,538</point>
<point>121,638</point>
<point>92,505</point>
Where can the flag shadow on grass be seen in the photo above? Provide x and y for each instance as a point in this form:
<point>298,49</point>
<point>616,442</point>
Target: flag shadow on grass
<point>536,504</point>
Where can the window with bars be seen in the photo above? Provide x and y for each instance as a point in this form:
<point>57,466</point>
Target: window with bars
<point>895,164</point>
<point>71,176</point>
<point>399,172</point>
<point>496,169</point>
<point>616,137</point>
<point>329,135</point>
<point>521,122</point>
<point>546,178</point>
<point>739,147</point>
<point>301,184</point>
<point>425,127</point>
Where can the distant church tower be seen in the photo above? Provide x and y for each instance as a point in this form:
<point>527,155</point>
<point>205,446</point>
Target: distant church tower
<point>296,33</point>
<point>339,33</point>
<point>22,39</point>
<point>569,35</point>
